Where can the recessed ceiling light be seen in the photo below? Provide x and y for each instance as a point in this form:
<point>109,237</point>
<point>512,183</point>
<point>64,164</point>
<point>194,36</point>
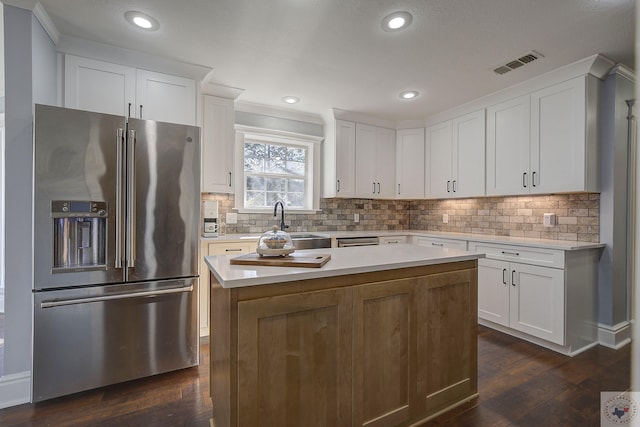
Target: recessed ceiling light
<point>396,21</point>
<point>141,20</point>
<point>408,94</point>
<point>291,99</point>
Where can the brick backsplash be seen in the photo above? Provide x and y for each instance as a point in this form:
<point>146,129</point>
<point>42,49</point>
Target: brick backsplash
<point>577,216</point>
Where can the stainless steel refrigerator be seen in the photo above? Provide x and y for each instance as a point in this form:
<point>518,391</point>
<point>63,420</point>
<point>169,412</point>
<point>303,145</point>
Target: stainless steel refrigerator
<point>115,237</point>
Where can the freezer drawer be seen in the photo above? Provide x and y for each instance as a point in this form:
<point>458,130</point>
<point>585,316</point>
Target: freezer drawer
<point>91,337</point>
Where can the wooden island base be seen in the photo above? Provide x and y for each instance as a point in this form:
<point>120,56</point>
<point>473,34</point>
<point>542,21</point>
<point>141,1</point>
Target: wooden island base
<point>390,348</point>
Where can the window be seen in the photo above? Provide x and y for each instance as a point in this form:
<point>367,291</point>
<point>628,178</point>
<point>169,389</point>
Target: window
<point>274,172</point>
<point>276,166</point>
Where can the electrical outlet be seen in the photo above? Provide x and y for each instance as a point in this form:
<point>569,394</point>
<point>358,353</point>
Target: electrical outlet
<point>549,219</point>
<point>232,218</point>
<point>445,218</point>
<point>356,218</point>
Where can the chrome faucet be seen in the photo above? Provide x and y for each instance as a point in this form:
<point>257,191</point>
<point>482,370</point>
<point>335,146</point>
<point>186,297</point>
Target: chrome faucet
<point>275,214</point>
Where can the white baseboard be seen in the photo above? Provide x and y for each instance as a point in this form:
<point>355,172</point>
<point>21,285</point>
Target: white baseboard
<point>563,349</point>
<point>15,389</point>
<point>616,336</point>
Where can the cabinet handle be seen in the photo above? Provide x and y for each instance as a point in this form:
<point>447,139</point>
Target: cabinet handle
<point>392,241</point>
<point>374,188</point>
<point>141,111</point>
<point>233,250</point>
<point>448,186</point>
<point>454,186</point>
<point>129,110</point>
<point>437,244</point>
<point>524,179</point>
<point>378,188</point>
<point>229,179</point>
<point>513,279</point>
<point>533,179</point>
<point>504,276</point>
<point>510,253</point>
<point>398,188</point>
<point>338,186</point>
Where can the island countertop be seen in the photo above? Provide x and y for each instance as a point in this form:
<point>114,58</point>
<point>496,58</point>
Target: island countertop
<point>354,260</point>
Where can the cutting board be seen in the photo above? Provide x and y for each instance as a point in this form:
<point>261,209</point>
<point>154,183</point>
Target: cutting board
<point>291,260</point>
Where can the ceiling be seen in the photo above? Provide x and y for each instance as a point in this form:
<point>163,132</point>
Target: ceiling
<point>334,54</point>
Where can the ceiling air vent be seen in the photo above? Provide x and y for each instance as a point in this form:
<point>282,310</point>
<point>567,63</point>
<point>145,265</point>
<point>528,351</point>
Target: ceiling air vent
<point>514,64</point>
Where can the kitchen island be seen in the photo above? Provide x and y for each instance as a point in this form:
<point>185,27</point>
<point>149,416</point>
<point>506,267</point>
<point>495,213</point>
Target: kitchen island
<point>379,336</point>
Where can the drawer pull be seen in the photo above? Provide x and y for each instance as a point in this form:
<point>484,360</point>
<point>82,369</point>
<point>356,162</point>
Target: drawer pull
<point>437,244</point>
<point>233,250</point>
<point>392,241</point>
<point>510,253</point>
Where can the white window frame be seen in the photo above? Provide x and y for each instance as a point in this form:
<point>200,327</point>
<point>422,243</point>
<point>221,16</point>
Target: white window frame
<point>312,143</point>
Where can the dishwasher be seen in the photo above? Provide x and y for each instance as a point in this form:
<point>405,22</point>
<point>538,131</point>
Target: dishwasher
<point>347,242</point>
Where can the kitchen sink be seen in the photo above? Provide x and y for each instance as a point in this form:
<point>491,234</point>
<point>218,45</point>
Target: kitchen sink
<point>310,241</point>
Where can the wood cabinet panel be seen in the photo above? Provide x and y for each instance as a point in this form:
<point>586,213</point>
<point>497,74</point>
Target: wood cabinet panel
<point>384,353</point>
<point>294,356</point>
<point>447,354</point>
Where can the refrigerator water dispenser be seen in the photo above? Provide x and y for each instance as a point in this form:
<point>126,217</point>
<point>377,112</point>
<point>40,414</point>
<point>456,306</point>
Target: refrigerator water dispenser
<point>79,235</point>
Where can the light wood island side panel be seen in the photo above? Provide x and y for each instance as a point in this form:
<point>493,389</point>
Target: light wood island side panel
<point>382,349</point>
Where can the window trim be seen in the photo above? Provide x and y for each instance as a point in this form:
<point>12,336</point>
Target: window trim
<point>313,143</point>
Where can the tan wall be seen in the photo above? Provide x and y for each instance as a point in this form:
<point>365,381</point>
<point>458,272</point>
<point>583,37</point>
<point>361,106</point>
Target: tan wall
<point>520,216</point>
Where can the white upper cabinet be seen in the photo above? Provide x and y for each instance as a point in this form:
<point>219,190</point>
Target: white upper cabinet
<point>508,147</point>
<point>544,142</point>
<point>410,163</point>
<point>109,88</point>
<point>375,162</point>
<point>468,170</point>
<point>217,145</point>
<point>558,126</point>
<point>438,160</point>
<point>165,98</point>
<point>99,86</point>
<point>345,158</point>
<point>455,157</point>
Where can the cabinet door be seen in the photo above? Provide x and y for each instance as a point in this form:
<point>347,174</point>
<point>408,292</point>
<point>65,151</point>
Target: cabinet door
<point>447,355</point>
<point>385,170</point>
<point>384,346</point>
<point>217,145</point>
<point>345,158</point>
<point>468,155</point>
<point>366,141</point>
<point>493,291</point>
<point>558,129</point>
<point>165,98</point>
<point>294,360</point>
<point>508,147</point>
<point>214,249</point>
<point>537,301</point>
<point>438,160</point>
<point>98,86</point>
<point>410,163</point>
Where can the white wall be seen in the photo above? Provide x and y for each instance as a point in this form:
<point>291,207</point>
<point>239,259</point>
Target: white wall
<point>30,76</point>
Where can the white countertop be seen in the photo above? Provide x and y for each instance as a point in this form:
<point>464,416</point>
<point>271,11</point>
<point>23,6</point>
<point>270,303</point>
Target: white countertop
<point>362,259</point>
<point>566,245</point>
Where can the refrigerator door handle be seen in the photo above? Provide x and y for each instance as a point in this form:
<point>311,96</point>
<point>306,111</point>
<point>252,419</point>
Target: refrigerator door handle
<point>119,211</point>
<point>131,200</point>
<point>60,303</point>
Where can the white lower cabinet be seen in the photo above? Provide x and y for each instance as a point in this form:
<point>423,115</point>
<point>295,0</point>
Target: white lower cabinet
<point>437,242</point>
<point>547,296</point>
<point>208,248</point>
<point>391,240</point>
<point>523,297</point>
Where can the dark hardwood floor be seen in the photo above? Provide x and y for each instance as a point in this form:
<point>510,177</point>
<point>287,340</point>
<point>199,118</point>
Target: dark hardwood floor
<point>520,384</point>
